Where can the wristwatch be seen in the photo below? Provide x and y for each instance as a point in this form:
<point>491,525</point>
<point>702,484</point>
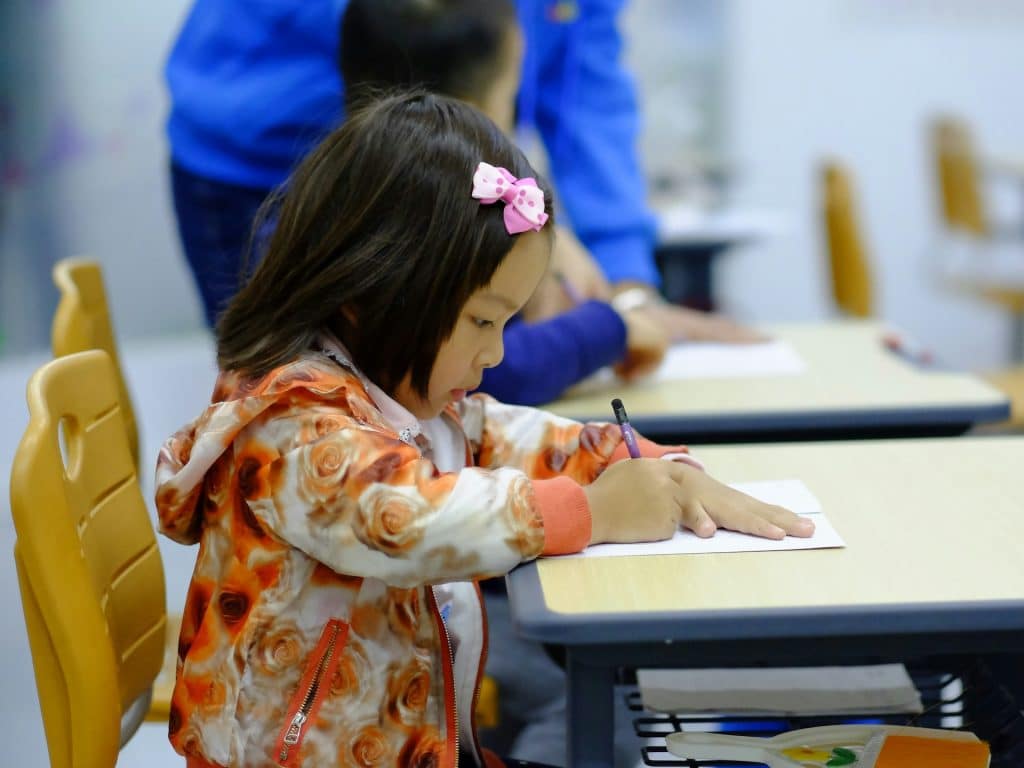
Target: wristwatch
<point>632,298</point>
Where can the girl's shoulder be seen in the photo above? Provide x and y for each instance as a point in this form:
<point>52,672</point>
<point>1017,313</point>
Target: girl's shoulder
<point>311,371</point>
<point>309,386</point>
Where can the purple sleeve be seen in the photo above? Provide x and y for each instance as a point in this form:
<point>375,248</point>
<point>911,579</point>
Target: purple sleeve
<point>544,359</point>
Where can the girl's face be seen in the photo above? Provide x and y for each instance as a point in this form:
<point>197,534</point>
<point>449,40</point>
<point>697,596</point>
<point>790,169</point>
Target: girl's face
<point>476,340</point>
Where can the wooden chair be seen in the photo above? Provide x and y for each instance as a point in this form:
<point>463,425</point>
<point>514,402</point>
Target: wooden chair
<point>959,179</point>
<point>82,321</point>
<point>850,272</point>
<point>852,285</point>
<point>963,212</point>
<point>91,578</point>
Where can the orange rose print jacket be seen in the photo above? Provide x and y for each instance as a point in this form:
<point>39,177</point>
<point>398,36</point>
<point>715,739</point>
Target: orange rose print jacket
<point>332,618</point>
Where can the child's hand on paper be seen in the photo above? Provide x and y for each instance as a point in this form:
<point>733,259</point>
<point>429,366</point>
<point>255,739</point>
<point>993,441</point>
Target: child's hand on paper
<point>648,499</point>
<point>711,505</point>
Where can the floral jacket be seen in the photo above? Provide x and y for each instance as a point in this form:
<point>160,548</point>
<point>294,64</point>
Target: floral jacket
<point>332,618</point>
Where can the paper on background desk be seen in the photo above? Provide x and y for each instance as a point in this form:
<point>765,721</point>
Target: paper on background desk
<point>711,360</point>
<point>790,493</point>
<point>707,360</point>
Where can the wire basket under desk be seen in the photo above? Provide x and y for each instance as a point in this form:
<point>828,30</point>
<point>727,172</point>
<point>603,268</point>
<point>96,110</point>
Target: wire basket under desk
<point>966,697</point>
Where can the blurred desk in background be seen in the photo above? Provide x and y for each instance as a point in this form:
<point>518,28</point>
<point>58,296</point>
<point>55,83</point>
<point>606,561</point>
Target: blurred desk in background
<point>689,239</point>
<point>848,384</point>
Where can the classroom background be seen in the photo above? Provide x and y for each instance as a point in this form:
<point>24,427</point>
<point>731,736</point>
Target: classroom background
<point>742,100</point>
<point>756,93</point>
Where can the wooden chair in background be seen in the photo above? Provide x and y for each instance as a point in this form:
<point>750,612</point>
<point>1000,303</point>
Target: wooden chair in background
<point>82,321</point>
<point>851,277</point>
<point>984,271</point>
<point>956,169</point>
<point>850,272</point>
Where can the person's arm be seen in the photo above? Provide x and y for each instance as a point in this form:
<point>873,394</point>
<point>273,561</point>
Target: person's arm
<point>367,504</point>
<point>544,359</point>
<point>546,446</point>
<point>578,94</point>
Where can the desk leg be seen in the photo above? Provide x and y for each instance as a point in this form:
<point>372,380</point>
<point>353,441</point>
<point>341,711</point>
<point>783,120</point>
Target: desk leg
<point>590,713</point>
<point>686,273</point>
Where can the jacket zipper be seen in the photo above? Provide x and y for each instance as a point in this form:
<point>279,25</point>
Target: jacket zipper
<point>316,681</point>
<point>448,664</point>
<point>479,672</point>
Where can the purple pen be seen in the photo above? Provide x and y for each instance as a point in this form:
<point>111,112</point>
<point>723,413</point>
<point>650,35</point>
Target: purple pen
<point>627,431</point>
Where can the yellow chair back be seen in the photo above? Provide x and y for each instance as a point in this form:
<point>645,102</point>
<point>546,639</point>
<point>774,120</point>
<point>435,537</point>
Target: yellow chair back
<point>90,573</point>
<point>850,272</point>
<point>956,168</point>
<point>82,321</point>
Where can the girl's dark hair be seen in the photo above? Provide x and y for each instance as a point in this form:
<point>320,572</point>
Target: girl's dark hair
<point>444,46</point>
<point>379,221</point>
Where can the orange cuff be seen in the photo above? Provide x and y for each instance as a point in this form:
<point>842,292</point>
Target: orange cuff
<point>648,450</point>
<point>563,508</point>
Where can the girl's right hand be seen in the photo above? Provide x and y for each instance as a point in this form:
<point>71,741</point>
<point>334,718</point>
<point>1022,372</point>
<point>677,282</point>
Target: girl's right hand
<point>646,344</point>
<point>649,499</point>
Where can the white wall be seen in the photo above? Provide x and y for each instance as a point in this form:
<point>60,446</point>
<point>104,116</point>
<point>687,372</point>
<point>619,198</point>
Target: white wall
<point>859,79</point>
<point>84,163</point>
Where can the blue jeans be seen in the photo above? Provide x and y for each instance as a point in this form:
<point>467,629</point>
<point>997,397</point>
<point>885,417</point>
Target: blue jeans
<point>214,222</point>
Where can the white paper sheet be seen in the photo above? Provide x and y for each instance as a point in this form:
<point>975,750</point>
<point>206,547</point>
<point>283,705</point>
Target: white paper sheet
<point>710,360</point>
<point>706,360</point>
<point>789,493</point>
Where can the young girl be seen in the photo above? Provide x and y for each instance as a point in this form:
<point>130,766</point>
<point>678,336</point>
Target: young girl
<point>346,493</point>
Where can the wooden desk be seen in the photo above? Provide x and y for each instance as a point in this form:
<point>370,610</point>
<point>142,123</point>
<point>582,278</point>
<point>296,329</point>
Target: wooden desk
<point>932,565</point>
<point>853,387</point>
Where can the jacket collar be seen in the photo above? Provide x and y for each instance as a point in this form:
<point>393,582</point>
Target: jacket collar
<point>398,416</point>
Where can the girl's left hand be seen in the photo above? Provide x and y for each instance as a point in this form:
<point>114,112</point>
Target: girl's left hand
<point>711,505</point>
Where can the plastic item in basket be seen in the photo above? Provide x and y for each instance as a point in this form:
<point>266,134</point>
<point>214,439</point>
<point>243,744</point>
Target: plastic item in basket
<point>839,746</point>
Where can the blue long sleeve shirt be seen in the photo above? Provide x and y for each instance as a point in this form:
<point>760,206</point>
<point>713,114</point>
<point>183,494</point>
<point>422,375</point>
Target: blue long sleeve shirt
<point>544,359</point>
<point>255,85</point>
<point>580,98</point>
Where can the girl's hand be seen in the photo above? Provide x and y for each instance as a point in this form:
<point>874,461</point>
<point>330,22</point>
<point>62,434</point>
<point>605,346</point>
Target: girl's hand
<point>635,500</point>
<point>711,505</point>
<point>648,499</point>
<point>646,343</point>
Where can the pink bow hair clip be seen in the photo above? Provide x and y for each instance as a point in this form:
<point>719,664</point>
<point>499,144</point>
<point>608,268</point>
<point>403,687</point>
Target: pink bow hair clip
<point>524,200</point>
